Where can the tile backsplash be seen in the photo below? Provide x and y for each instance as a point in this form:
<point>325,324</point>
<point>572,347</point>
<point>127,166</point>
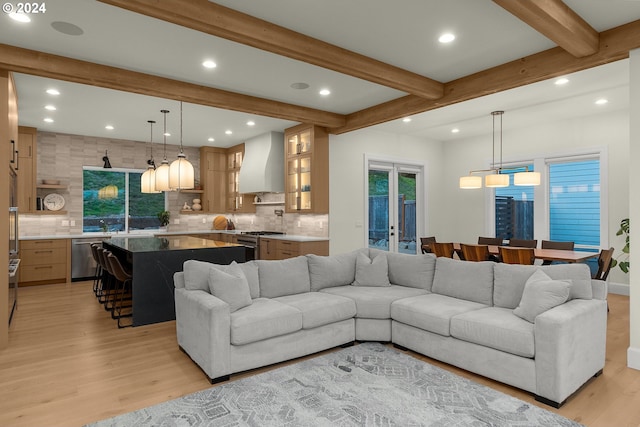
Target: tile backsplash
<point>62,156</point>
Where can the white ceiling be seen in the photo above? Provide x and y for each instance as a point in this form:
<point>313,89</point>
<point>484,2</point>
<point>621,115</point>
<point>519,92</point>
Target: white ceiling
<point>403,34</point>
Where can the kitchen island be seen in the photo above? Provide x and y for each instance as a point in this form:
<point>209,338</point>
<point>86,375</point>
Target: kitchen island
<point>154,260</point>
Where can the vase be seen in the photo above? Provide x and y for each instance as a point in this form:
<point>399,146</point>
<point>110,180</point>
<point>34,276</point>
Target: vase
<point>196,205</point>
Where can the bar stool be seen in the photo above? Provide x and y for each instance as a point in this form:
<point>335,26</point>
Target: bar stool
<point>122,292</point>
<point>98,273</point>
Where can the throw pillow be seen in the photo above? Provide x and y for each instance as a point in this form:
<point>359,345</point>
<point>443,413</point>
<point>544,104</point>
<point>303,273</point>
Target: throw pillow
<point>540,294</point>
<point>371,272</point>
<point>231,286</point>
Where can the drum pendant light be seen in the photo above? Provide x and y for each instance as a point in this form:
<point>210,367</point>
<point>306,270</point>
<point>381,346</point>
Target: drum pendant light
<point>148,178</point>
<point>181,173</point>
<point>162,171</point>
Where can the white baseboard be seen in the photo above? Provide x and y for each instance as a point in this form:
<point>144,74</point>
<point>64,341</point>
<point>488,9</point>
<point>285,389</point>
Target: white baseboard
<point>633,358</point>
<point>619,288</point>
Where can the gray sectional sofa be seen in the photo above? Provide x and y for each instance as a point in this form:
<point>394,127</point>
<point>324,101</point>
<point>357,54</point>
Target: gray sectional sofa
<point>538,328</point>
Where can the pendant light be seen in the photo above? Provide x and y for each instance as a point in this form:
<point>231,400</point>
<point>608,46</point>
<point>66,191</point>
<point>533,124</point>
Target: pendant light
<point>162,171</point>
<point>148,178</point>
<point>181,173</point>
<point>496,177</point>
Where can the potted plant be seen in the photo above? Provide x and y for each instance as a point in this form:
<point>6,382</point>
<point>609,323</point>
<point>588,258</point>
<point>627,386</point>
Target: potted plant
<point>624,264</point>
<point>164,217</point>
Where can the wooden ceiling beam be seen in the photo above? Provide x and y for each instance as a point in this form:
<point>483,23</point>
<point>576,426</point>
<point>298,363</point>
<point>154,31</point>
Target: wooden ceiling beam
<point>72,70</point>
<point>220,21</point>
<point>556,21</point>
<point>615,45</point>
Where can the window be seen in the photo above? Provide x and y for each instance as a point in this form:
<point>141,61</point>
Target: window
<point>571,209</point>
<point>112,201</point>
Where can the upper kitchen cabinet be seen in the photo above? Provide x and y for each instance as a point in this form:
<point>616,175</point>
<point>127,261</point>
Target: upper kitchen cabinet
<point>213,170</point>
<point>26,169</point>
<point>237,202</point>
<point>306,169</point>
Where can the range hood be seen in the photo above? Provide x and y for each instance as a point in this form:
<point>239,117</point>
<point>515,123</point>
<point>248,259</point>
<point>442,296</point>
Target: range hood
<point>262,169</point>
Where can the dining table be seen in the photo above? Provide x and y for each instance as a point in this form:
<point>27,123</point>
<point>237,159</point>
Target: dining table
<point>543,254</point>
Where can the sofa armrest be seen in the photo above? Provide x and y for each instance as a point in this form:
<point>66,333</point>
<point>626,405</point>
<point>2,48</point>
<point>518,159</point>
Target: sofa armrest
<point>203,330</point>
<point>600,289</point>
<point>570,344</point>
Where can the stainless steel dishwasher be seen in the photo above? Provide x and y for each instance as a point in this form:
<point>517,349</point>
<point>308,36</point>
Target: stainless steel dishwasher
<point>83,266</point>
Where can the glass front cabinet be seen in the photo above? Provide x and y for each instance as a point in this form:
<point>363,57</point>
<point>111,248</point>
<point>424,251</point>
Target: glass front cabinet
<point>307,169</point>
<point>236,201</point>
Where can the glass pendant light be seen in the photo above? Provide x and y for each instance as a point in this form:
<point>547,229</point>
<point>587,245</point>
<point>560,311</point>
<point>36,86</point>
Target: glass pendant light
<point>148,178</point>
<point>162,171</point>
<point>181,173</point>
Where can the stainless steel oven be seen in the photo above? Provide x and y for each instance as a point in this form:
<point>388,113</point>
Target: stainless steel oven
<point>251,239</point>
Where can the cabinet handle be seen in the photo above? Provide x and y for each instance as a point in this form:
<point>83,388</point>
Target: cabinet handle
<point>43,267</point>
<point>39,242</point>
<point>17,160</point>
<point>13,151</point>
<point>42,252</point>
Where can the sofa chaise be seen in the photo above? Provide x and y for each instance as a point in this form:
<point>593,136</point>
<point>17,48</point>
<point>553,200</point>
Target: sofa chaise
<point>538,328</point>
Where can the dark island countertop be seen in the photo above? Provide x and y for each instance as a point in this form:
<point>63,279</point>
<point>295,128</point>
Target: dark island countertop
<point>166,243</point>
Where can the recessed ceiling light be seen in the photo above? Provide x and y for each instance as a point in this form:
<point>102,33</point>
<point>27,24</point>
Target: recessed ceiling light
<point>251,123</point>
<point>166,134</point>
<point>50,107</point>
<point>601,101</point>
<point>446,38</point>
<point>48,120</point>
<point>67,28</point>
<point>109,127</point>
<point>211,139</point>
<point>209,64</point>
<point>406,119</point>
<point>20,17</point>
<point>299,86</point>
<point>53,92</point>
<point>324,92</point>
<point>228,132</point>
<point>561,81</point>
<point>455,130</point>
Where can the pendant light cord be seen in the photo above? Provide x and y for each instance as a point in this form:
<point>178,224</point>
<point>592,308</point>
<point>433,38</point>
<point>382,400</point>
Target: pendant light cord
<point>181,127</point>
<point>164,134</point>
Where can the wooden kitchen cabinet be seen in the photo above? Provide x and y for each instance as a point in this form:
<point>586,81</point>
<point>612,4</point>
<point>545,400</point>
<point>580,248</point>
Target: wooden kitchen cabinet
<point>236,201</point>
<point>273,249</point>
<point>26,169</point>
<point>213,169</point>
<point>44,261</point>
<point>306,169</point>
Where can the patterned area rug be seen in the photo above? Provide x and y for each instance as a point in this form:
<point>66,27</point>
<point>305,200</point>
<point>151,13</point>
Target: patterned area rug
<point>366,385</point>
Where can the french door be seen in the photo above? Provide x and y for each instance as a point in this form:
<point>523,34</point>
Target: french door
<point>394,208</point>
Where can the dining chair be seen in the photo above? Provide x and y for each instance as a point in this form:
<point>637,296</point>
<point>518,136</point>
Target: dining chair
<point>442,249</point>
<point>523,243</point>
<point>554,244</point>
<point>425,243</point>
<point>524,256</point>
<point>492,241</point>
<point>604,264</point>
<point>475,252</point>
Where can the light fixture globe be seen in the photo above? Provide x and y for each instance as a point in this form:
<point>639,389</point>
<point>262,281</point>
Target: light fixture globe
<point>496,180</point>
<point>181,174</point>
<point>162,176</point>
<point>526,178</point>
<point>470,182</point>
<point>148,181</point>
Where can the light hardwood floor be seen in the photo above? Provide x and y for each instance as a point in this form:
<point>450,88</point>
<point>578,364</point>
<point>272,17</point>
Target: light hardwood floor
<point>67,364</point>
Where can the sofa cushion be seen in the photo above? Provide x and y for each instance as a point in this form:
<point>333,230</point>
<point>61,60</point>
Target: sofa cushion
<point>374,302</point>
<point>496,328</point>
<point>541,294</point>
<point>230,286</point>
<point>334,270</point>
<point>319,308</point>
<point>265,318</point>
<point>415,271</point>
<point>196,275</point>
<point>283,277</point>
<point>371,272</point>
<point>472,281</point>
<point>431,312</point>
<point>510,279</point>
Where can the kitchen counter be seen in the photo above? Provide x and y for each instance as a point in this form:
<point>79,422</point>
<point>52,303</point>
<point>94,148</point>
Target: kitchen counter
<point>166,243</point>
<point>98,236</point>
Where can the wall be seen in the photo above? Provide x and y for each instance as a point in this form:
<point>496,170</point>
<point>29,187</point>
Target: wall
<point>346,181</point>
<point>633,353</point>
<point>466,209</point>
<point>62,156</point>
